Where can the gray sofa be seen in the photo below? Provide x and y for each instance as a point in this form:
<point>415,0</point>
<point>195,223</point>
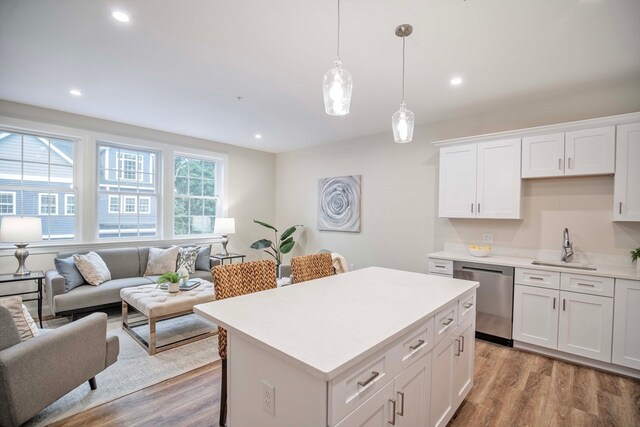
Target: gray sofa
<point>127,267</point>
<point>37,372</point>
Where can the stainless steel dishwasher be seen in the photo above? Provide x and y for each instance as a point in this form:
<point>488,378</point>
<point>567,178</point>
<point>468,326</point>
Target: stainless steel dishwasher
<point>494,299</point>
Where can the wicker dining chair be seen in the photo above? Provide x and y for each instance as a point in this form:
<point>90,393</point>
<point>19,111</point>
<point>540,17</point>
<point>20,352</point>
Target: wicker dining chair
<point>231,281</point>
<point>311,267</point>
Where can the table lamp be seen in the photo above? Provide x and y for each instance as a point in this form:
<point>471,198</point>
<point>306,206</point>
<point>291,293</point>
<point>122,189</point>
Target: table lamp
<point>224,227</point>
<point>22,230</point>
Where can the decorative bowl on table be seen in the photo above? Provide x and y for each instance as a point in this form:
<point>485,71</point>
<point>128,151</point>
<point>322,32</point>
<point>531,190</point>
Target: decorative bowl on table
<point>479,251</point>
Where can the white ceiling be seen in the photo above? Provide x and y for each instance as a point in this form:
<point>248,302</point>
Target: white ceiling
<point>179,66</point>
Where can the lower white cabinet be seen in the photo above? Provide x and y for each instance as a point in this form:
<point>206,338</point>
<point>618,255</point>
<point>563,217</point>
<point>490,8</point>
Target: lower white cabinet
<point>412,394</point>
<point>626,324</point>
<point>535,315</point>
<point>463,363</point>
<point>375,412</point>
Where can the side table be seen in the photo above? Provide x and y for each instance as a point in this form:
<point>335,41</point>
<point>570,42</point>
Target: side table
<point>34,275</point>
<point>230,257</point>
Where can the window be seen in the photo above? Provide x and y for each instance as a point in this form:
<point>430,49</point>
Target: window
<point>47,204</point>
<point>7,203</point>
<point>127,188</point>
<point>69,204</point>
<point>36,172</point>
<point>195,195</point>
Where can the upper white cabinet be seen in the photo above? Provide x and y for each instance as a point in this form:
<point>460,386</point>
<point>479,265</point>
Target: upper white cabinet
<point>581,152</point>
<point>481,180</point>
<point>626,193</point>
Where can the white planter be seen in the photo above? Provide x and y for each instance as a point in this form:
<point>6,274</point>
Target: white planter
<point>174,287</point>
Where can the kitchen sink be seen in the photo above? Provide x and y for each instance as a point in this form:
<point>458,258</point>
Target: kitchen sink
<point>564,265</point>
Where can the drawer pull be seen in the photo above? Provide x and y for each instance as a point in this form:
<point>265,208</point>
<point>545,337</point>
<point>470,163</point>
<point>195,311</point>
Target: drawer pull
<point>468,305</point>
<point>374,375</point>
<point>393,412</point>
<point>416,346</point>
<point>462,343</point>
<point>440,266</point>
<point>448,322</point>
<point>535,278</point>
<point>401,411</point>
<point>458,347</point>
<point>587,284</point>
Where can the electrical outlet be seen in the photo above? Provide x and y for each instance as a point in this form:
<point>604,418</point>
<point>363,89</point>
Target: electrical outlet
<point>268,398</point>
<point>487,238</point>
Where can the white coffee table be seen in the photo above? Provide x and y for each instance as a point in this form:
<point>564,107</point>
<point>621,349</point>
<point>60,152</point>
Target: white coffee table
<point>156,304</point>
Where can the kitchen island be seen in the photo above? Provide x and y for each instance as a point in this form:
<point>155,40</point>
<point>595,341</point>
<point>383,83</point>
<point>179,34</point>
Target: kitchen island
<point>375,346</point>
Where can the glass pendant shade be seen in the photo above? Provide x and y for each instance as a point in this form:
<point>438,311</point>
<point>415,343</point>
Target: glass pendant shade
<point>336,86</point>
<point>402,123</point>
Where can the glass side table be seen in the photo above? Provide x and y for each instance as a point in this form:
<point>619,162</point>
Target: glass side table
<point>34,275</point>
<point>222,258</point>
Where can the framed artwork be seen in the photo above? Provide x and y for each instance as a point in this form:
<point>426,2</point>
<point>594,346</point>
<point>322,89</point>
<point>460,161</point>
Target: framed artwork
<point>339,203</point>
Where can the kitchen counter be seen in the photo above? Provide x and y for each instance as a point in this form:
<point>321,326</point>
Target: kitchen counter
<point>327,325</point>
<point>507,261</point>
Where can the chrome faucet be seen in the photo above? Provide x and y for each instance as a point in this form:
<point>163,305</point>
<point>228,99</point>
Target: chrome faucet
<point>567,246</point>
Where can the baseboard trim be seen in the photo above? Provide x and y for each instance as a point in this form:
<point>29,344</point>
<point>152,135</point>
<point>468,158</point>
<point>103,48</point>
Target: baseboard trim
<point>603,366</point>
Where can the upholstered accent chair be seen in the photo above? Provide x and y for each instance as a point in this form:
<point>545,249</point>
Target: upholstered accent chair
<point>311,267</point>
<point>231,281</point>
<point>37,372</point>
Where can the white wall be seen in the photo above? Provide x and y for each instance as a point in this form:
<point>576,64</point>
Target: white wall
<point>250,191</point>
<point>400,221</point>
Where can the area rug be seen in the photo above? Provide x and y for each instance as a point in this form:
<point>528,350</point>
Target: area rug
<point>135,368</point>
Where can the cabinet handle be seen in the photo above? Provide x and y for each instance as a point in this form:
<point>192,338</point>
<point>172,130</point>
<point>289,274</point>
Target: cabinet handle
<point>471,207</point>
<point>468,305</point>
<point>462,343</point>
<point>440,266</point>
<point>448,322</point>
<point>478,207</point>
<point>458,349</point>
<point>374,375</point>
<point>564,304</point>
<point>620,208</point>
<point>393,413</point>
<point>416,346</point>
<point>560,164</point>
<point>569,162</point>
<point>401,400</point>
<point>535,278</point>
<point>554,303</point>
<point>591,285</point>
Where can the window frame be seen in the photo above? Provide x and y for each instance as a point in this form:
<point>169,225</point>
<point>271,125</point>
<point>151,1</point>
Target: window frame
<point>55,205</point>
<point>148,210</point>
<point>66,204</point>
<point>13,202</point>
<point>123,205</point>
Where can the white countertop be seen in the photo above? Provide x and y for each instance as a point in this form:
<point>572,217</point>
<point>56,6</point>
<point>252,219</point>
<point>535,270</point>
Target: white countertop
<point>324,326</point>
<point>507,261</point>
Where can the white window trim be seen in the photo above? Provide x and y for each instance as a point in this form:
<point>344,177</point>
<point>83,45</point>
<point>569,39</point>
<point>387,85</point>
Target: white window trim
<point>66,204</point>
<point>124,204</point>
<point>139,170</point>
<point>111,197</point>
<point>148,210</point>
<point>55,204</point>
<point>13,203</point>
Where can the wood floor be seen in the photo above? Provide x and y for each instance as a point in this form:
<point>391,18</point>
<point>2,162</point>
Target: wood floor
<point>512,388</point>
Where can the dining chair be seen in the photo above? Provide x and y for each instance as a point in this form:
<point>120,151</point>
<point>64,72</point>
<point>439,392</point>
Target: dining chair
<point>311,267</point>
<point>231,281</point>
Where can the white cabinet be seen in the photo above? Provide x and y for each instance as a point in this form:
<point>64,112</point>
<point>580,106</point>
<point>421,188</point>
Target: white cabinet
<point>463,363</point>
<point>626,193</point>
<point>581,152</point>
<point>626,332</point>
<point>412,394</point>
<point>585,327</point>
<point>535,315</point>
<point>481,180</point>
<point>375,412</point>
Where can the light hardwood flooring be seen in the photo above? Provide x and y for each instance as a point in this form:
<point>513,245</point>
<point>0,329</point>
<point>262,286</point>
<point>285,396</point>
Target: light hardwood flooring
<point>512,388</point>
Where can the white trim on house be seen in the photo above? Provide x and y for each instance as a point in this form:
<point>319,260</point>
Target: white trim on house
<point>109,205</point>
<point>4,204</point>
<point>67,204</point>
<point>53,207</point>
<point>147,209</point>
<point>124,205</point>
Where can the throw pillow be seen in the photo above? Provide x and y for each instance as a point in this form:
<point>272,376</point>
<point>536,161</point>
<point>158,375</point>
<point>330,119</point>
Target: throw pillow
<point>187,258</point>
<point>32,324</point>
<point>14,305</point>
<point>92,268</point>
<point>67,269</point>
<point>162,260</point>
<point>202,262</point>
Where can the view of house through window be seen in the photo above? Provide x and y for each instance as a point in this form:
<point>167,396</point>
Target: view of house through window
<point>195,195</point>
<point>127,192</point>
<point>36,179</point>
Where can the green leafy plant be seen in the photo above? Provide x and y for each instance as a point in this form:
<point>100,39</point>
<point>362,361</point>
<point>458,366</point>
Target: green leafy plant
<point>635,254</point>
<point>283,245</point>
<point>168,278</point>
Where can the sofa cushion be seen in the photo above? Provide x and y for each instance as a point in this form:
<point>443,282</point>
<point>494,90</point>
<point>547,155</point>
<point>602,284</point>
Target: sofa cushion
<point>92,268</point>
<point>14,305</point>
<point>187,258</point>
<point>162,260</point>
<point>122,262</point>
<point>202,274</point>
<point>90,296</point>
<point>203,262</point>
<point>9,335</point>
<point>67,269</point>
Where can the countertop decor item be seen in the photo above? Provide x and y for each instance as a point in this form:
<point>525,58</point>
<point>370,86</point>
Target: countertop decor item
<point>21,231</point>
<point>284,244</point>
<point>173,280</point>
<point>224,227</point>
<point>635,257</point>
<point>402,120</point>
<point>337,84</point>
<point>479,251</point>
<point>339,203</point>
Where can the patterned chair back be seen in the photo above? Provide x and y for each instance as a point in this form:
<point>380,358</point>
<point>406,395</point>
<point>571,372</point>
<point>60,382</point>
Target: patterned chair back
<point>239,279</point>
<point>311,267</point>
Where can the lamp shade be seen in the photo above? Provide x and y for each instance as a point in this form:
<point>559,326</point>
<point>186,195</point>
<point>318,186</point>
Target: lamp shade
<point>224,226</point>
<point>15,229</point>
<point>336,87</point>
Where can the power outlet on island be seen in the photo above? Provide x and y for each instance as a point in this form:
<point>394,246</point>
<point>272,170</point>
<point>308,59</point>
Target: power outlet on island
<point>487,238</point>
<point>268,398</point>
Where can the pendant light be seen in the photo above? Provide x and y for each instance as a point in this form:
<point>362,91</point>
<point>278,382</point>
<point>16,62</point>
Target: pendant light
<point>402,120</point>
<point>337,85</point>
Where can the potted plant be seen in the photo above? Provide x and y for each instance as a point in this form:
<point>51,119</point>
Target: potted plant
<point>173,279</point>
<point>635,255</point>
<point>283,245</point>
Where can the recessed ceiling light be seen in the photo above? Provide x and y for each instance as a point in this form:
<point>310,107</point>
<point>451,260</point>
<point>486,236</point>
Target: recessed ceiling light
<point>120,16</point>
<point>257,136</point>
<point>456,81</point>
<point>75,92</point>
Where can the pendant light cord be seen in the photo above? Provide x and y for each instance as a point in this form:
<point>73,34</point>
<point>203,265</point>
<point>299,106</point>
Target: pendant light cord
<point>338,43</point>
<point>403,69</point>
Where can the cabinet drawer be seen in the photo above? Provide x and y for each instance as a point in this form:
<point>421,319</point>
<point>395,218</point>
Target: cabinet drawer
<point>446,321</point>
<point>415,344</point>
<point>540,278</point>
<point>587,284</point>
<point>466,307</point>
<point>353,387</point>
<point>441,266</point>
